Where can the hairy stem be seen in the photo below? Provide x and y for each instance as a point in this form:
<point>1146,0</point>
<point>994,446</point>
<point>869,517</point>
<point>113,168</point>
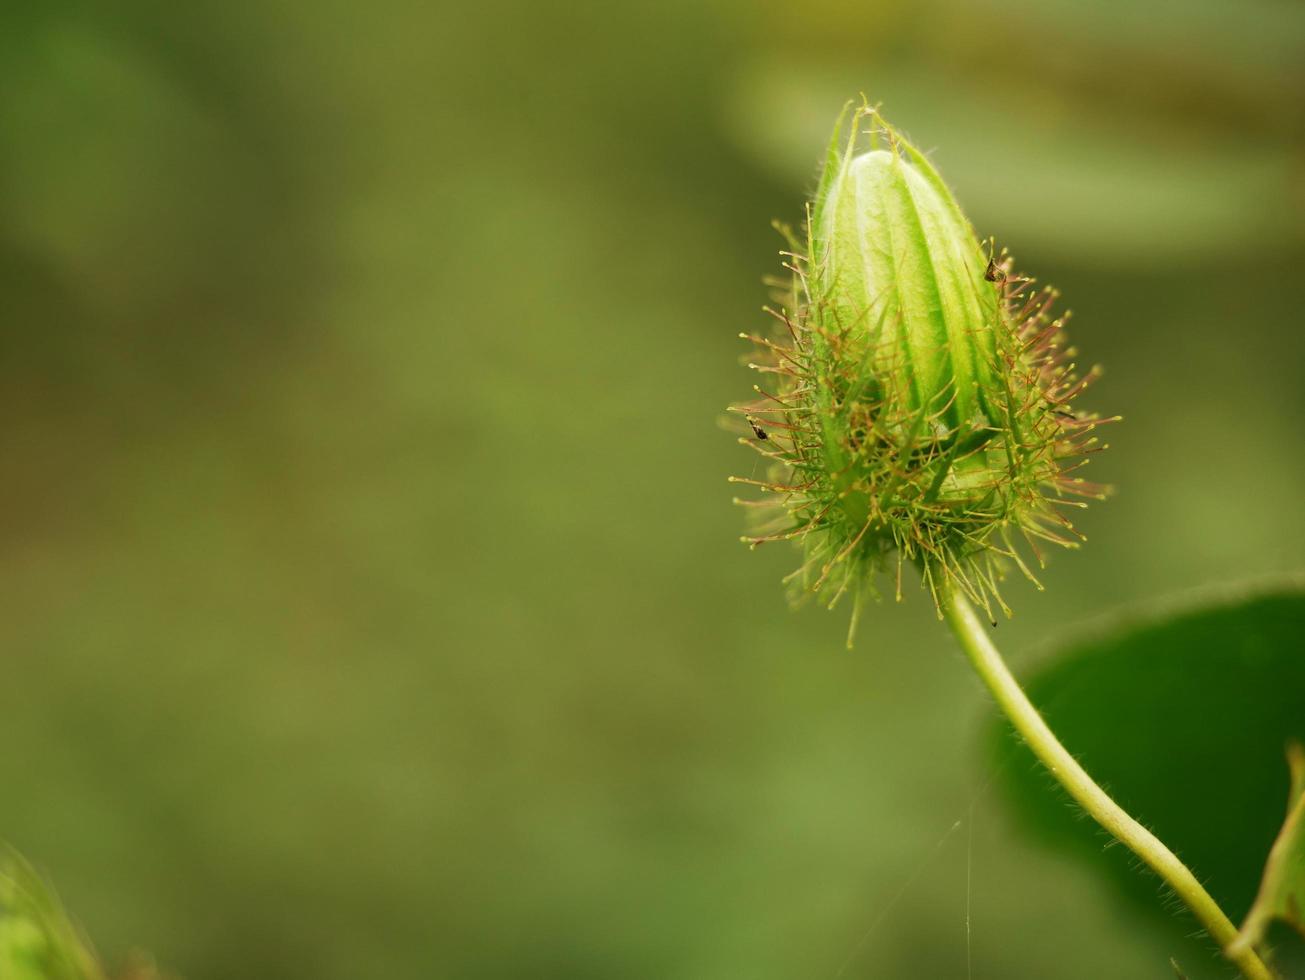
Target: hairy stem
<point>969,631</point>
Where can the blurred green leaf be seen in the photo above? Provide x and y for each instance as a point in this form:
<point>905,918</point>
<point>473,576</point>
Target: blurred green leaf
<point>37,940</point>
<point>1282,892</point>
<point>1175,714</point>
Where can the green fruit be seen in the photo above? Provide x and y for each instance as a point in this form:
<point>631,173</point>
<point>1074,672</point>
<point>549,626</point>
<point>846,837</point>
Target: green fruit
<point>920,410</point>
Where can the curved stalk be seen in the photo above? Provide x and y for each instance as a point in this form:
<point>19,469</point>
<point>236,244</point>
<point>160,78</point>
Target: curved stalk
<point>969,631</point>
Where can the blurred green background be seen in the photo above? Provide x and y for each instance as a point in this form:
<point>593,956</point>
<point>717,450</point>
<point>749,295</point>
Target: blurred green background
<point>370,596</point>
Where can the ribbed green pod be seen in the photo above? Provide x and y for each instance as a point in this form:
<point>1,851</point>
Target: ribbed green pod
<point>920,404</point>
<point>897,260</point>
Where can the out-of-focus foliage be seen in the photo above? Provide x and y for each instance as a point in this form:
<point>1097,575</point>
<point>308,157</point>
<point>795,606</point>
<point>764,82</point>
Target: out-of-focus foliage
<point>37,941</point>
<point>1179,713</point>
<point>370,598</point>
<point>1282,890</point>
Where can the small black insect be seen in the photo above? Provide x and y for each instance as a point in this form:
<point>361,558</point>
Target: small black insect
<point>757,430</point>
<point>994,272</point>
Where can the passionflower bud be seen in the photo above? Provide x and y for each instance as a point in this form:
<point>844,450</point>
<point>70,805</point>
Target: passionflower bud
<point>919,408</point>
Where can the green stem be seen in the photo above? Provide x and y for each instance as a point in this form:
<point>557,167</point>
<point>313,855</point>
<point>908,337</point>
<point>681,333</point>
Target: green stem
<point>969,630</point>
